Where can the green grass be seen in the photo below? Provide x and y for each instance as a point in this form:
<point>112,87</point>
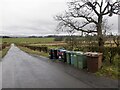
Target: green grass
<point>0,54</point>
<point>4,52</point>
<point>27,40</point>
<point>27,50</point>
<point>109,71</point>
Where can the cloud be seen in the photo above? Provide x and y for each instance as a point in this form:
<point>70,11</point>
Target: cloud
<point>31,27</point>
<point>32,16</point>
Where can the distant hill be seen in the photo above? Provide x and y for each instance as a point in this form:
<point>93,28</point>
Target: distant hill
<point>5,36</point>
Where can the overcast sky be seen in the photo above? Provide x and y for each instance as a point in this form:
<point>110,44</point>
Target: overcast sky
<point>33,17</point>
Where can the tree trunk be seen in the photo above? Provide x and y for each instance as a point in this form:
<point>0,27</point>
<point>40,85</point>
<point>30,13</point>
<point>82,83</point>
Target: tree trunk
<point>100,35</point>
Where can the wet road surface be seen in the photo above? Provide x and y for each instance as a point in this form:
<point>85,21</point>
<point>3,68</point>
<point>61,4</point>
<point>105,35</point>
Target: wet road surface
<point>21,70</point>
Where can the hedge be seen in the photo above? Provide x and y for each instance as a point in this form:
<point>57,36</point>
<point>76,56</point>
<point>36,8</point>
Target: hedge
<point>38,48</point>
<point>108,53</point>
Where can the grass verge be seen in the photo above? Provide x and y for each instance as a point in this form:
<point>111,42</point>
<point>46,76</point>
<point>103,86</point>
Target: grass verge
<point>27,50</point>
<point>4,52</point>
<point>109,71</point>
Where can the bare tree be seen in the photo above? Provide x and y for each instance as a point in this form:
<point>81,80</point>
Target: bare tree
<point>87,16</point>
<point>106,28</point>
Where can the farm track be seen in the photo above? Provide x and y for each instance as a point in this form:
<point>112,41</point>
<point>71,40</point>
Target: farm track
<point>21,70</point>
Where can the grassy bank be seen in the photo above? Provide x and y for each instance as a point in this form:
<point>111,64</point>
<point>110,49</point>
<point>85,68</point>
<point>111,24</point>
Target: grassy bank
<point>33,52</point>
<point>109,72</point>
<point>4,52</point>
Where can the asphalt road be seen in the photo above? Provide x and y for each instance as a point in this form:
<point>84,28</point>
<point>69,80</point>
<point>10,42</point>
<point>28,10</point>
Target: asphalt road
<point>21,70</point>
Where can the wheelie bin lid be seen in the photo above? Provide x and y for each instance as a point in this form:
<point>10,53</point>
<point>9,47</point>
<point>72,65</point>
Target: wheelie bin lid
<point>72,52</point>
<point>93,54</point>
<point>79,53</point>
<point>63,50</point>
<point>67,51</point>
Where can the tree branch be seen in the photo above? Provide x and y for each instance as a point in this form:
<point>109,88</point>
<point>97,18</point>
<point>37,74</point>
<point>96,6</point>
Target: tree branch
<point>106,7</point>
<point>111,9</point>
<point>93,7</point>
<point>71,25</point>
<point>89,19</point>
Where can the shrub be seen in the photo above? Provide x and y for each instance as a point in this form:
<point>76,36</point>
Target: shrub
<point>116,60</point>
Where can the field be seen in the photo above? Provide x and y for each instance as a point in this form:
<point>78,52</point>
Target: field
<point>27,40</point>
<point>49,42</point>
<point>34,42</point>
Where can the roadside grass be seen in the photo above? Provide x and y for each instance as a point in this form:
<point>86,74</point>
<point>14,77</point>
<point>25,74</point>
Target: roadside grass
<point>0,54</point>
<point>4,52</point>
<point>109,71</point>
<point>29,51</point>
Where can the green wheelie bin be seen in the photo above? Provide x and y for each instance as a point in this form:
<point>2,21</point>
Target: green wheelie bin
<point>72,57</point>
<point>82,60</point>
<point>68,54</point>
<point>75,60</point>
